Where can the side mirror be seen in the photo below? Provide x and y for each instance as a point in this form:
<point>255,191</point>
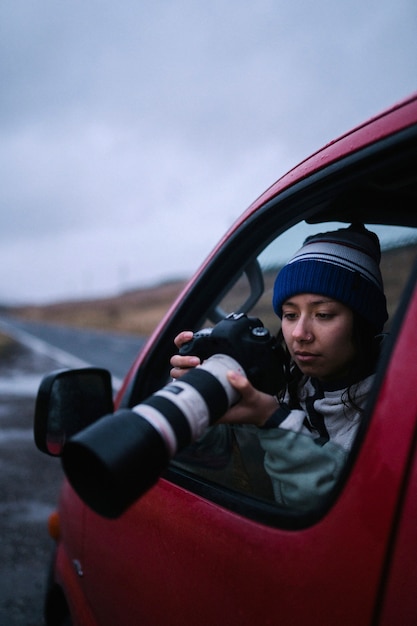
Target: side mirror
<point>68,401</point>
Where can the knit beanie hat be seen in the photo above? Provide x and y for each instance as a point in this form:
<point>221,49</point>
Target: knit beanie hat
<point>343,265</point>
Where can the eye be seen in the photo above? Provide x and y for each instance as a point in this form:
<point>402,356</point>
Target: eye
<point>325,316</point>
<point>289,315</point>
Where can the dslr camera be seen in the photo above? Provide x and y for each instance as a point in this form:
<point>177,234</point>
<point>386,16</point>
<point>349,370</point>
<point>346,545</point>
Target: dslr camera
<point>246,340</point>
<point>111,463</point>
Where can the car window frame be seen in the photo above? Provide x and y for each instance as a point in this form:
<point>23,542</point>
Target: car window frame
<point>292,205</point>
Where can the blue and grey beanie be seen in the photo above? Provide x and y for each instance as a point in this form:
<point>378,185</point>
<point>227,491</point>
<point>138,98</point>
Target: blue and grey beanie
<point>343,265</point>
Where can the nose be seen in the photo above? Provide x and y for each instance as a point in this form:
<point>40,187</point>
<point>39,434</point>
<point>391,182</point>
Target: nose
<point>302,331</point>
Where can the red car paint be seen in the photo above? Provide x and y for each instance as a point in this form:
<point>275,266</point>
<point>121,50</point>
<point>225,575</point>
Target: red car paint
<point>179,557</point>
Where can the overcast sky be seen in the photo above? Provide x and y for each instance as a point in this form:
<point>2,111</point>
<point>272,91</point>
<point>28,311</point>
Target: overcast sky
<point>133,133</point>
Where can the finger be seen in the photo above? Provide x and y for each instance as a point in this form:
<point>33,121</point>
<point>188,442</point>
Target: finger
<point>183,337</point>
<point>177,372</point>
<point>184,362</point>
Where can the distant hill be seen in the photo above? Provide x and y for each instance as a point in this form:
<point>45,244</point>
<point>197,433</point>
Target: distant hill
<point>138,312</point>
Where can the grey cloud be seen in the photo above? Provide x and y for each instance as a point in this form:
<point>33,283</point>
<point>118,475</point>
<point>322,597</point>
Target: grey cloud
<point>121,114</point>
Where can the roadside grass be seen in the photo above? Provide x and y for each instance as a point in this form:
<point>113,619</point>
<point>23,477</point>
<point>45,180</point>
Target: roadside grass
<point>135,312</point>
<point>5,343</point>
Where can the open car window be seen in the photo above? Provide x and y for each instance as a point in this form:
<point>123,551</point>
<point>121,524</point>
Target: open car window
<point>229,464</point>
<point>243,458</point>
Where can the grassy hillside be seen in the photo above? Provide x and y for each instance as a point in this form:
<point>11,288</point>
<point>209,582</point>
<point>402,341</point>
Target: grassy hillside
<point>136,312</point>
<point>139,311</point>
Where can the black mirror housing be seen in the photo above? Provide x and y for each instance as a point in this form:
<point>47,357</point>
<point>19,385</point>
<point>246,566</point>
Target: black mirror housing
<point>67,402</point>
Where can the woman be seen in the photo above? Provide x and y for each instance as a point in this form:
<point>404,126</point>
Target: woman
<point>332,305</point>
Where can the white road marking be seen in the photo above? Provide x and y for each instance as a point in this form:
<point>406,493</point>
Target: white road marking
<point>43,347</point>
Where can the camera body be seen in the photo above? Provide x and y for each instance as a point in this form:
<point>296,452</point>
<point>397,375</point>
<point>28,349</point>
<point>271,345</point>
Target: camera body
<point>246,340</point>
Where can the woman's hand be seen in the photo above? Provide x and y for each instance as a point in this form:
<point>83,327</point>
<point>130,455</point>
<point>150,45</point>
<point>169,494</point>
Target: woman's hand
<point>181,364</point>
<point>254,407</point>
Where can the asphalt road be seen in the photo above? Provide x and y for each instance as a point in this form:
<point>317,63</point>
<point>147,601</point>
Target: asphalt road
<point>30,480</point>
<point>74,347</point>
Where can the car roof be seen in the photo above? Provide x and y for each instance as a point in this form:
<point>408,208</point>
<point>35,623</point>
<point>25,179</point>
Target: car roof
<point>392,120</point>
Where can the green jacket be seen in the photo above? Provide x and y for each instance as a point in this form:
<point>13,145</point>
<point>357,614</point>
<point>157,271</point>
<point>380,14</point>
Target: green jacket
<point>306,448</point>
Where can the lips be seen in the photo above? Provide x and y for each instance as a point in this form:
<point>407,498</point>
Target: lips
<point>305,357</point>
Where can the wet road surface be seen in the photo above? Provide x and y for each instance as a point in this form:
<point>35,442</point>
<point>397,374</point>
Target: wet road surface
<point>30,480</point>
<point>75,347</point>
<point>29,483</point>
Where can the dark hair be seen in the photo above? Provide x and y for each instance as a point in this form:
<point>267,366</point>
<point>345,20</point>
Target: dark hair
<point>368,347</point>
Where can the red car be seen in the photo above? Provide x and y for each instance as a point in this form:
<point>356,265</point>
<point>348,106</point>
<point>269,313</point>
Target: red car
<point>143,538</point>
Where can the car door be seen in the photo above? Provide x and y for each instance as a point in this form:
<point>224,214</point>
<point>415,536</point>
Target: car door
<point>397,602</point>
<point>208,544</point>
<point>177,556</point>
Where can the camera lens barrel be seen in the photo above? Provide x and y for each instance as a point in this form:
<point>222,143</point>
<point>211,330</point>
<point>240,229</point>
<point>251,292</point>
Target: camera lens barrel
<point>113,462</point>
<point>182,410</point>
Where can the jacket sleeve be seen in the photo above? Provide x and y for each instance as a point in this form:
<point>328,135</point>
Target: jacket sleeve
<point>301,472</point>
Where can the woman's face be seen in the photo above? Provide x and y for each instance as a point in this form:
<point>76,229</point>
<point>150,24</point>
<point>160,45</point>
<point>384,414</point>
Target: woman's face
<point>318,332</point>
